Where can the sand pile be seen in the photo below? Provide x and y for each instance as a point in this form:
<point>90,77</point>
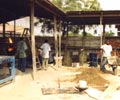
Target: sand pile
<point>91,75</point>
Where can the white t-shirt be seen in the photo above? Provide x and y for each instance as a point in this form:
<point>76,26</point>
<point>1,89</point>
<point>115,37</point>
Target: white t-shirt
<point>106,50</point>
<point>45,50</point>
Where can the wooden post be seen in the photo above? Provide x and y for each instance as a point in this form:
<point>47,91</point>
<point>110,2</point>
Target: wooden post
<point>59,52</point>
<point>56,42</point>
<point>4,38</point>
<point>14,32</point>
<point>83,37</point>
<point>101,30</point>
<point>4,30</point>
<point>33,40</point>
<point>60,57</point>
<point>103,34</point>
<point>67,28</point>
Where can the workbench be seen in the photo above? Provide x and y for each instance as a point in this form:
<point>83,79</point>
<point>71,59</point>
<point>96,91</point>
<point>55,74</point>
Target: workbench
<point>11,60</point>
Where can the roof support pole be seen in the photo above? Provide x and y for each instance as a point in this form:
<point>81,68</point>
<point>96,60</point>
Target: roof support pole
<point>103,33</point>
<point>56,41</point>
<point>4,30</point>
<point>59,50</point>
<point>83,37</point>
<point>14,32</point>
<point>67,28</point>
<point>33,39</point>
<point>101,29</point>
<point>60,33</point>
<point>4,43</point>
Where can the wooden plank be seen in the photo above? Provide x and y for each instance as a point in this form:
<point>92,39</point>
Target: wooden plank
<point>68,90</point>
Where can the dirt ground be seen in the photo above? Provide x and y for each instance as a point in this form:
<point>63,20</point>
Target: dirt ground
<point>25,88</point>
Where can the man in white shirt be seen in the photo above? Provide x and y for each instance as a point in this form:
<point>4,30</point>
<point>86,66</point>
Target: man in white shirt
<point>107,49</point>
<point>45,53</point>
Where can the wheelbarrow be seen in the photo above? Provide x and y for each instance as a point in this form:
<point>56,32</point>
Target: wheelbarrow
<point>114,62</point>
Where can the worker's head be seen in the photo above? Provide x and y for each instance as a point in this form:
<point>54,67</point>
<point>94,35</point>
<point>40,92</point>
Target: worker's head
<point>107,42</point>
<point>46,41</point>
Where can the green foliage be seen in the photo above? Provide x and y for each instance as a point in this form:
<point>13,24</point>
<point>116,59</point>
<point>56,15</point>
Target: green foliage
<point>77,5</point>
<point>89,35</point>
<point>109,33</point>
<point>91,5</point>
<point>70,5</point>
<point>58,3</point>
<point>71,34</point>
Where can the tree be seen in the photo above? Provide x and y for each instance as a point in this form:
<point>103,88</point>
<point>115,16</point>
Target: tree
<point>70,5</point>
<point>77,5</point>
<point>47,24</point>
<point>110,33</point>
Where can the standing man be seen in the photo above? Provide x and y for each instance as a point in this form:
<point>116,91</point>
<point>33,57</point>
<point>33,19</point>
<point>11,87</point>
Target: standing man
<point>21,51</point>
<point>106,50</point>
<point>45,53</point>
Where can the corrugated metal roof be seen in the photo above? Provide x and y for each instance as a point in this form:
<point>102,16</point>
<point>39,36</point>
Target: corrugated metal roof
<point>15,9</point>
<point>93,17</point>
